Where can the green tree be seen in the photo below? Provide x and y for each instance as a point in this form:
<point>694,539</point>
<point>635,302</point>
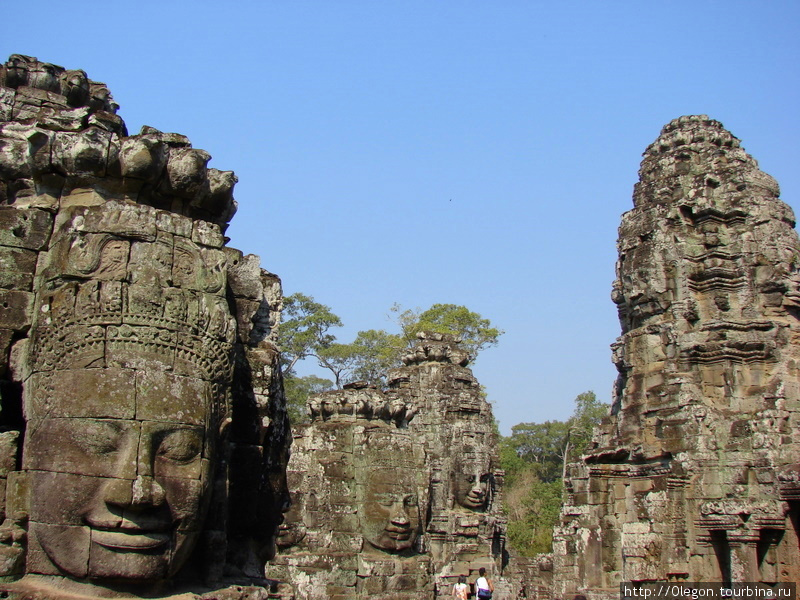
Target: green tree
<point>533,509</point>
<point>376,352</point>
<point>297,390</point>
<point>512,463</point>
<point>303,331</point>
<point>475,331</point>
<point>534,457</point>
<point>542,446</point>
<point>589,411</point>
<point>340,360</point>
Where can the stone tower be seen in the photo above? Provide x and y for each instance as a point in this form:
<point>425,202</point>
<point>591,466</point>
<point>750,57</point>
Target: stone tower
<point>395,493</point>
<point>467,527</point>
<point>143,430</point>
<point>359,491</point>
<point>693,475</point>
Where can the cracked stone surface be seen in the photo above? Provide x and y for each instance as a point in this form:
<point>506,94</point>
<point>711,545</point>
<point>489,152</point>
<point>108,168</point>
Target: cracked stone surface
<point>396,493</point>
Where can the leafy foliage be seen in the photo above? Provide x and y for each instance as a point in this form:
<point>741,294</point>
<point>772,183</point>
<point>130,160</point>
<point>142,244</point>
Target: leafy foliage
<point>534,457</point>
<point>533,511</point>
<point>305,332</point>
<point>297,390</point>
<point>542,446</point>
<point>340,360</point>
<point>304,328</point>
<point>476,333</point>
<point>377,351</point>
<point>588,413</point>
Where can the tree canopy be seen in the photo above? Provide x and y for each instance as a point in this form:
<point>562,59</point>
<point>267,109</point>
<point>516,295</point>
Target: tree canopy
<point>305,332</point>
<point>534,458</point>
<point>476,332</point>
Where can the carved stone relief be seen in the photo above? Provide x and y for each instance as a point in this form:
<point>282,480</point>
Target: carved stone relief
<point>138,367</point>
<point>681,482</point>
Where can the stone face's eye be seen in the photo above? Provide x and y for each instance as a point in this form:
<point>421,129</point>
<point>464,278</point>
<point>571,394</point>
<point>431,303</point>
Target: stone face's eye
<point>410,501</point>
<point>180,446</point>
<point>385,500</point>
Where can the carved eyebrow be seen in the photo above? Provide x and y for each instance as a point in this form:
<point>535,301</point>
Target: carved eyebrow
<point>385,497</point>
<point>98,435</point>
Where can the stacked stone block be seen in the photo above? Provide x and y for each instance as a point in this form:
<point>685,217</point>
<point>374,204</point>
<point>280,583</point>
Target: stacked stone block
<point>466,530</point>
<point>437,438</point>
<point>359,489</point>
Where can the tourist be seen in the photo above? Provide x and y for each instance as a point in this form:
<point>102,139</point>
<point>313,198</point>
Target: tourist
<point>483,587</point>
<point>461,589</point>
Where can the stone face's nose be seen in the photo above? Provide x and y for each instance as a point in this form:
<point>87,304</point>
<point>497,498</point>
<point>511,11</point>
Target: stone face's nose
<point>146,491</point>
<point>399,516</point>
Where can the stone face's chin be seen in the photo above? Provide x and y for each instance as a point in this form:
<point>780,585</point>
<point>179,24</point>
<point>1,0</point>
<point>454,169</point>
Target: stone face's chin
<point>394,541</point>
<point>290,534</point>
<point>139,565</point>
<point>91,554</point>
<point>477,498</point>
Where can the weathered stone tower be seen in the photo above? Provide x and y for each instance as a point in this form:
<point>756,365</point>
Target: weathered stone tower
<point>143,430</point>
<point>467,527</point>
<point>396,493</point>
<point>359,490</point>
<point>693,475</point>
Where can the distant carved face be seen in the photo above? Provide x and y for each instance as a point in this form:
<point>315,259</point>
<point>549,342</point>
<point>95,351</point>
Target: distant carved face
<point>471,485</point>
<point>120,468</point>
<point>292,530</point>
<point>391,509</point>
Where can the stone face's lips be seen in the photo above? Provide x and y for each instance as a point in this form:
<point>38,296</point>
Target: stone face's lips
<point>129,539</point>
<point>398,534</point>
<point>474,500</point>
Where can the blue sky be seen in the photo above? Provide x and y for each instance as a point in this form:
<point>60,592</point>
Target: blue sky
<point>475,153</point>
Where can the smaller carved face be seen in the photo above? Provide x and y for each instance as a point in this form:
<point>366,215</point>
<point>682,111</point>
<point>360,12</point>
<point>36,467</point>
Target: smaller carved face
<point>471,486</point>
<point>391,509</point>
<point>292,530</point>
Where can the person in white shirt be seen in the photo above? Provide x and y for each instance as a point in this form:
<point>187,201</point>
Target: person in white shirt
<point>483,587</point>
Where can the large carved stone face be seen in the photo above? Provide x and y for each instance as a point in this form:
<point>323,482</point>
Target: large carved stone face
<point>471,484</point>
<point>391,509</point>
<point>120,470</point>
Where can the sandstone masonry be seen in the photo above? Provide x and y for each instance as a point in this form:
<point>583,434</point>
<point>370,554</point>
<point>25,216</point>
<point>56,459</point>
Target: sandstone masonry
<point>693,477</point>
<point>143,430</point>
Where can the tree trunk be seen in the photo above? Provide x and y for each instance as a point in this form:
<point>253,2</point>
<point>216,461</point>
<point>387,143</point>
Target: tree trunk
<point>564,464</point>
